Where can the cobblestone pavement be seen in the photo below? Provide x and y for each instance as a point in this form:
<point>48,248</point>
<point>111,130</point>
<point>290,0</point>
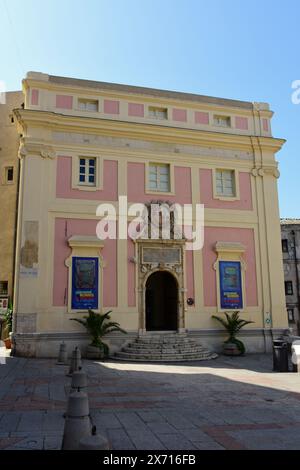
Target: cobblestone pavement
<point>228,403</point>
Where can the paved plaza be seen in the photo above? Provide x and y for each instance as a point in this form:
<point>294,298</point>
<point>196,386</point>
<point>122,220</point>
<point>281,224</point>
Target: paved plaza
<point>227,403</point>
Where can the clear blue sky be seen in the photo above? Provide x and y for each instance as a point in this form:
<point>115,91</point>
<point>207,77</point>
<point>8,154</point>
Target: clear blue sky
<point>240,49</point>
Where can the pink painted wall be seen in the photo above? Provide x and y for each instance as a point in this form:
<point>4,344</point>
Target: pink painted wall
<point>136,185</point>
<point>206,192</point>
<point>34,96</point>
<point>136,109</point>
<point>64,182</point>
<point>242,235</point>
<point>64,229</point>
<point>179,114</point>
<point>131,274</point>
<point>201,118</point>
<point>64,101</point>
<point>189,263</point>
<point>265,125</point>
<point>241,123</point>
<point>111,107</point>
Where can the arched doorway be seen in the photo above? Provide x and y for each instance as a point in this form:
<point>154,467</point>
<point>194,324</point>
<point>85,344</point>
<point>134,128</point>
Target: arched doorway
<point>161,302</point>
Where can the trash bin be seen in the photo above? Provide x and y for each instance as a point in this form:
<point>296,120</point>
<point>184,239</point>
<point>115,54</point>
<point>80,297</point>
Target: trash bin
<point>280,356</point>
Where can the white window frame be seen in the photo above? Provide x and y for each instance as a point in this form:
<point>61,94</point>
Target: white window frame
<point>76,184</point>
<point>230,251</point>
<point>158,112</point>
<point>223,197</point>
<point>85,247</point>
<point>81,101</point>
<point>224,121</point>
<point>150,190</point>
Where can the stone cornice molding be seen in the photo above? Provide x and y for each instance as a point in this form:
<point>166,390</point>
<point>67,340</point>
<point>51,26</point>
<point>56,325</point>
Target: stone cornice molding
<point>146,131</point>
<point>266,170</point>
<point>35,148</point>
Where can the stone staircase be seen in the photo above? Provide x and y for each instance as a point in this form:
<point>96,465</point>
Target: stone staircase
<point>164,347</point>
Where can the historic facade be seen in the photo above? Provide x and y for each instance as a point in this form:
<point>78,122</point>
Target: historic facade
<point>9,170</point>
<point>85,143</point>
<point>290,241</point>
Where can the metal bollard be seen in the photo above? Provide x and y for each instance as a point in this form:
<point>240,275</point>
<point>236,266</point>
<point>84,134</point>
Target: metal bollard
<point>62,355</point>
<point>76,363</point>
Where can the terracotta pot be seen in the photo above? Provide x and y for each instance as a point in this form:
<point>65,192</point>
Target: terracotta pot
<point>7,343</point>
<point>231,349</point>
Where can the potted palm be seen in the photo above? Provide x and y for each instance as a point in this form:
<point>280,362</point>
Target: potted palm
<point>233,324</point>
<point>97,326</point>
<point>8,325</point>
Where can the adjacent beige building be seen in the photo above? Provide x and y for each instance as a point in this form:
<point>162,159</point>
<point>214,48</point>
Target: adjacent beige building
<point>290,240</point>
<point>9,168</point>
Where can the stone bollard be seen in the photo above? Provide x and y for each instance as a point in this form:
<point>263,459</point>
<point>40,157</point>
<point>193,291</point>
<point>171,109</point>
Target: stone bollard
<point>296,356</point>
<point>79,380</point>
<point>75,361</point>
<point>94,442</point>
<point>77,423</point>
<point>62,355</point>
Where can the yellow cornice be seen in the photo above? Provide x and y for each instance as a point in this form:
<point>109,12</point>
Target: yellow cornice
<point>143,131</point>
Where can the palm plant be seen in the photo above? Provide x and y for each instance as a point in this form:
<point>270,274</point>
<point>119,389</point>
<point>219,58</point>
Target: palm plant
<point>233,324</point>
<point>98,325</point>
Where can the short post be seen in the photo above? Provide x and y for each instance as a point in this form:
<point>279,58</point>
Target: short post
<point>76,363</point>
<point>296,356</point>
<point>62,355</point>
<point>77,420</point>
<point>94,442</point>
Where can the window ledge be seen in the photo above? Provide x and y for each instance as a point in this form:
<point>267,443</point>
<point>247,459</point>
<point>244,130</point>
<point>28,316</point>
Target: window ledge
<point>227,198</point>
<point>85,241</point>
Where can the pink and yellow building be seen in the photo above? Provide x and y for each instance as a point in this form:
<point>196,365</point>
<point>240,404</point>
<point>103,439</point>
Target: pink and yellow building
<point>84,143</point>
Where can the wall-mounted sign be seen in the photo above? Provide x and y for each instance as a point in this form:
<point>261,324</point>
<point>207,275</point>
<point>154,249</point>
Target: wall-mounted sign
<point>231,285</point>
<point>85,276</point>
<point>3,306</point>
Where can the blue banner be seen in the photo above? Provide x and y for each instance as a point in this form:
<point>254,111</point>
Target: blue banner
<point>85,276</point>
<point>231,285</point>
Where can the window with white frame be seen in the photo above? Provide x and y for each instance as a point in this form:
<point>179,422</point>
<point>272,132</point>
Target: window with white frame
<point>158,113</point>
<point>225,183</point>
<point>88,105</point>
<point>222,121</point>
<point>9,174</point>
<point>87,171</point>
<point>159,177</point>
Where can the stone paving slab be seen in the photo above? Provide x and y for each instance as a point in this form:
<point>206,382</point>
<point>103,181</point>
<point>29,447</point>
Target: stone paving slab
<point>229,403</point>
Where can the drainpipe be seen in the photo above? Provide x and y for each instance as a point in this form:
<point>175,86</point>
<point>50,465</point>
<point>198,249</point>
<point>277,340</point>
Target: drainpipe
<point>297,273</point>
<point>15,231</point>
<point>18,242</point>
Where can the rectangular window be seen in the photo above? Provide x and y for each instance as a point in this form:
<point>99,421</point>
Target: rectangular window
<point>4,288</point>
<point>87,171</point>
<point>9,174</point>
<point>158,113</point>
<point>288,287</point>
<point>222,121</point>
<point>85,277</point>
<point>159,177</point>
<point>225,183</point>
<point>231,285</point>
<point>284,246</point>
<point>291,316</point>
<point>88,105</point>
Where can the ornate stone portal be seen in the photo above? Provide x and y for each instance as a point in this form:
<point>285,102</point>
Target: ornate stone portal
<point>161,255</point>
